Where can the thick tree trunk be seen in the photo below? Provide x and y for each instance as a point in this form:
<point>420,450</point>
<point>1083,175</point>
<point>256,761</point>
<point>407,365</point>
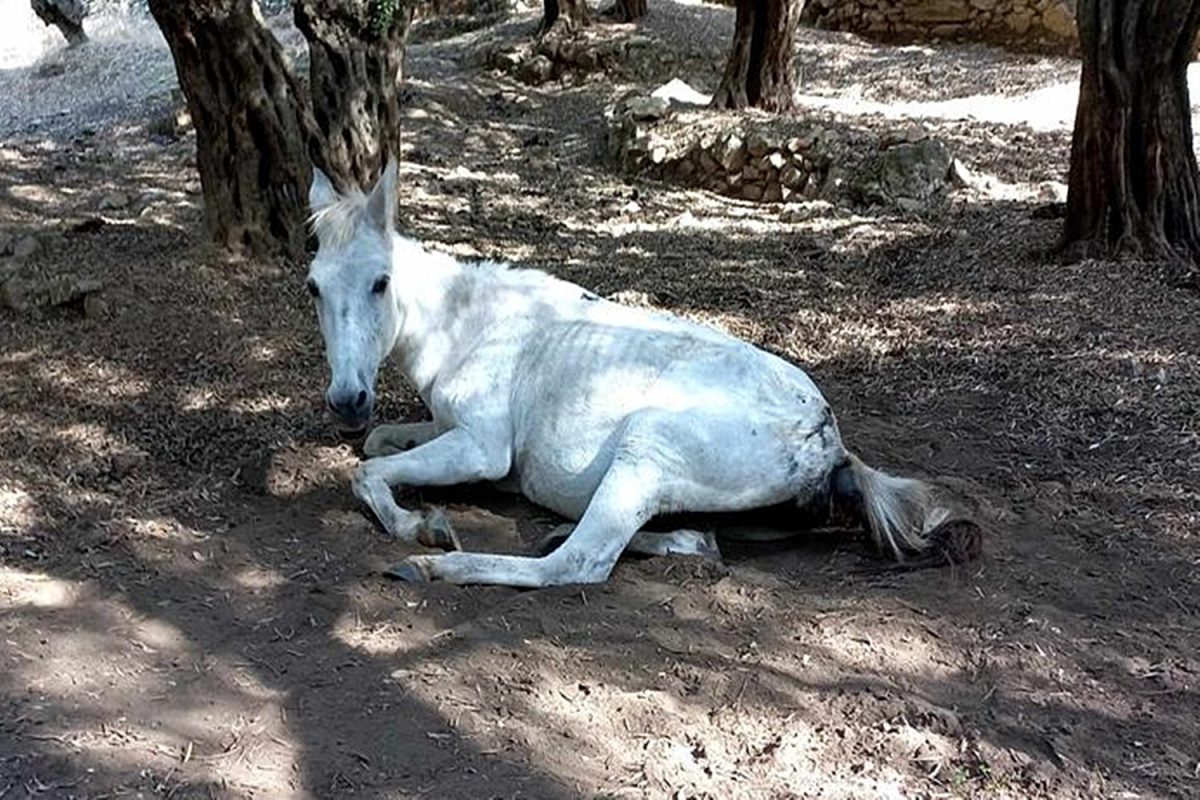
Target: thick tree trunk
<point>626,10</point>
<point>66,15</point>
<point>759,70</point>
<point>565,16</point>
<point>251,125</point>
<point>356,62</point>
<point>1134,185</point>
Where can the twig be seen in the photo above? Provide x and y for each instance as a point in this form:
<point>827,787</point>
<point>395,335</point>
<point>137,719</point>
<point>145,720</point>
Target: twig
<point>737,701</point>
<point>45,737</point>
<point>262,662</point>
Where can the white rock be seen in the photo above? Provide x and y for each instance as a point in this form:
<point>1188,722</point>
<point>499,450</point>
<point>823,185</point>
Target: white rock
<point>677,91</point>
<point>113,201</point>
<point>1052,192</point>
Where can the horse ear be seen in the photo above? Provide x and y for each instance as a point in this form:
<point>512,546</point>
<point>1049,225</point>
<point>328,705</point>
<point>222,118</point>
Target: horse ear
<point>321,193</point>
<point>381,205</point>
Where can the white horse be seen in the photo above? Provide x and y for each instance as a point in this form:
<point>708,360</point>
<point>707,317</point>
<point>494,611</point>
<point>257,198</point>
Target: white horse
<point>606,414</point>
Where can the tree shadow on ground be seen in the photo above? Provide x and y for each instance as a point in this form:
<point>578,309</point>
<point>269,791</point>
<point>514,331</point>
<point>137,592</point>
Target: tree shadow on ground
<point>268,625</point>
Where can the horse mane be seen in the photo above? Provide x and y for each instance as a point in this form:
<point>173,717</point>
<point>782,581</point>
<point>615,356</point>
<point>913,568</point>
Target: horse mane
<point>338,221</point>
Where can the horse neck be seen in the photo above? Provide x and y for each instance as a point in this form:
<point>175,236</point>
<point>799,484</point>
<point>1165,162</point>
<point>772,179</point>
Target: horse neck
<point>429,329</point>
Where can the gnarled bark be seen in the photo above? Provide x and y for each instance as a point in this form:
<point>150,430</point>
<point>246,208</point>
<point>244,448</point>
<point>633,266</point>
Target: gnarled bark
<point>564,16</point>
<point>356,65</point>
<point>626,10</point>
<point>759,70</point>
<point>66,15</point>
<point>252,132</point>
<point>1134,185</point>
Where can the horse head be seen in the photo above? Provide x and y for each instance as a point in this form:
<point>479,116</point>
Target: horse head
<point>351,283</point>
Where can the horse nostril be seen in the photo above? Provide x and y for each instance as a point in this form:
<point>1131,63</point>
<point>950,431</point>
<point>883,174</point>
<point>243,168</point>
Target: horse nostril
<point>361,400</point>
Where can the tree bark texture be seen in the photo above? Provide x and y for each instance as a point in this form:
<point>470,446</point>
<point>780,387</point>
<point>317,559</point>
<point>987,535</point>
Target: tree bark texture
<point>759,72</point>
<point>627,10</point>
<point>252,128</point>
<point>1133,184</point>
<point>565,16</point>
<point>66,15</point>
<point>356,66</point>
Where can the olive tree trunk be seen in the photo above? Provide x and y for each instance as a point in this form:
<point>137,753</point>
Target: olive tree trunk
<point>356,65</point>
<point>252,132</point>
<point>1133,184</point>
<point>564,16</point>
<point>66,15</point>
<point>626,10</point>
<point>759,72</point>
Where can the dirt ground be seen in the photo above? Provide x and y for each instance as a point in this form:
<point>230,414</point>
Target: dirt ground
<point>192,606</point>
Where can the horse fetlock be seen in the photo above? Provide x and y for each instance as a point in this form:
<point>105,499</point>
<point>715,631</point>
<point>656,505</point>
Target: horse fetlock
<point>706,545</point>
<point>377,496</point>
<point>414,569</point>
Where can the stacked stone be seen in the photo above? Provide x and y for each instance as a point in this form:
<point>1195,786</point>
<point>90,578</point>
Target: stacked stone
<point>1040,24</point>
<point>752,167</point>
<point>559,58</point>
<point>633,147</point>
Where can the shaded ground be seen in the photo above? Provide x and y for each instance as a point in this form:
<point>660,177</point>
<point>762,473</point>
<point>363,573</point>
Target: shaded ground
<point>190,602</point>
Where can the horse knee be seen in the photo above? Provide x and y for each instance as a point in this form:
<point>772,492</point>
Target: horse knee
<point>360,482</point>
<point>570,565</point>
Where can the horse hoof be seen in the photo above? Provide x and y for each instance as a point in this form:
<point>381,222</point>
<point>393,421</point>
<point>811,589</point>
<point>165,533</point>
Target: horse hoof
<point>707,547</point>
<point>410,571</point>
<point>436,531</point>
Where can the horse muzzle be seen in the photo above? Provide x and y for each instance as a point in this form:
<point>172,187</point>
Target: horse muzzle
<point>352,407</point>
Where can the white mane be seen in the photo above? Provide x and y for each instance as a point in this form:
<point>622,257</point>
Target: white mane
<point>341,220</point>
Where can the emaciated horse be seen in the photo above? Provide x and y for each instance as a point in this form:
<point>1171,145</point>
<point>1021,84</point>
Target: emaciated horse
<point>605,414</point>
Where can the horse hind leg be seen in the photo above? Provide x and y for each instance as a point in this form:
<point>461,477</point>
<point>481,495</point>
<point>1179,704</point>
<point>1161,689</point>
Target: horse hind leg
<point>683,542</point>
<point>620,506</point>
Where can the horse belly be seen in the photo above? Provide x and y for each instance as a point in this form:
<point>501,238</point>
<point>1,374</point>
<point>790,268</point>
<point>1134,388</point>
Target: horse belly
<point>561,464</point>
<point>732,426</point>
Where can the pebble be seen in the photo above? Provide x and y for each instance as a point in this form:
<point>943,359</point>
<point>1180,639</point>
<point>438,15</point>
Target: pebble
<point>113,201</point>
<point>26,247</point>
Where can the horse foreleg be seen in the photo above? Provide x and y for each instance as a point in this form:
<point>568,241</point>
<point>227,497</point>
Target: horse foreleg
<point>387,440</point>
<point>625,500</point>
<point>451,458</point>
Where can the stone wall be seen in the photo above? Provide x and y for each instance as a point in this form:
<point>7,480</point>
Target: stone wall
<point>748,164</point>
<point>774,160</point>
<point>1044,25</point>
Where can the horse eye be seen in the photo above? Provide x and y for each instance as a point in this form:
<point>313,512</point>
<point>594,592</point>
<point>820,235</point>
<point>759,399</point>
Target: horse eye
<point>381,284</point>
<point>312,288</point>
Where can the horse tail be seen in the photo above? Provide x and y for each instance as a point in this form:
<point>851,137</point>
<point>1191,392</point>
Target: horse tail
<point>904,517</point>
